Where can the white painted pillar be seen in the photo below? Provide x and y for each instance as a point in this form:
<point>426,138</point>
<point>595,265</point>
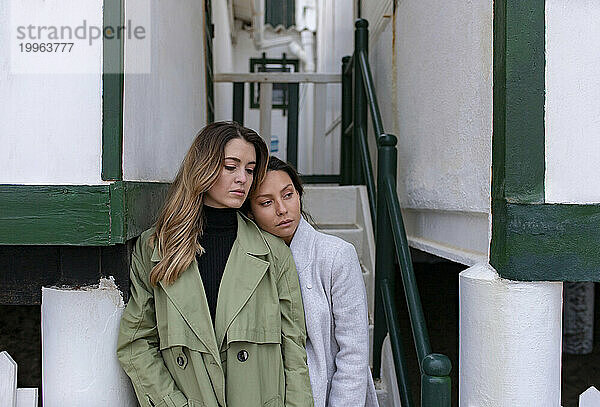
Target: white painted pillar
<point>10,395</point>
<point>320,161</point>
<point>79,342</point>
<point>510,341</point>
<point>8,380</point>
<point>266,104</point>
<point>306,112</point>
<point>590,398</point>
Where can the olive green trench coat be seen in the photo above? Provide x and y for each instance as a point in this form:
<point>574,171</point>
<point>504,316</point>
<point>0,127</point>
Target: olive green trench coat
<point>255,354</point>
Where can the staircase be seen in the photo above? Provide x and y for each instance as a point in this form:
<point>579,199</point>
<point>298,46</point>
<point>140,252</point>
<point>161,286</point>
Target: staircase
<point>343,211</point>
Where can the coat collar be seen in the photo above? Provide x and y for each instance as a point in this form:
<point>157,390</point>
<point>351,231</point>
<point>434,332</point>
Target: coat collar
<point>246,235</point>
<point>302,245</point>
<point>241,276</point>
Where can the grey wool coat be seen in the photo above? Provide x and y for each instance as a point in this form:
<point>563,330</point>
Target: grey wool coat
<point>335,309</point>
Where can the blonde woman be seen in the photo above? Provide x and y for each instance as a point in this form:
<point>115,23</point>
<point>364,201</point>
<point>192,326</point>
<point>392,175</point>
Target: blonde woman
<point>215,315</point>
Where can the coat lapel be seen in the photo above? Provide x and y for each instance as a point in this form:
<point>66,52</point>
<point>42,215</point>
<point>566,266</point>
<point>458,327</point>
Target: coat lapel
<point>302,245</point>
<point>241,276</point>
<point>188,296</point>
<point>243,273</point>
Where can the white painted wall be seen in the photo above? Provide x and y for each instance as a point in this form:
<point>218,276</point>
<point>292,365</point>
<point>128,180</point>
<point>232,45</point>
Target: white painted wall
<point>433,72</point>
<point>222,59</point>
<point>444,103</point>
<point>164,110</point>
<point>510,341</point>
<point>335,39</point>
<point>572,104</point>
<point>51,123</point>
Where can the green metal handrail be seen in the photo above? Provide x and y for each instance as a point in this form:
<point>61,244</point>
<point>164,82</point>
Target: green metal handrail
<point>368,171</point>
<point>358,87</point>
<point>370,92</point>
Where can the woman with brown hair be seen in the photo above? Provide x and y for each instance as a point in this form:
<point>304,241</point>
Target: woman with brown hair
<point>215,316</point>
<point>333,291</point>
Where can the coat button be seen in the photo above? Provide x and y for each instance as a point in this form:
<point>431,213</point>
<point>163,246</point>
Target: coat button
<point>180,361</point>
<point>242,356</point>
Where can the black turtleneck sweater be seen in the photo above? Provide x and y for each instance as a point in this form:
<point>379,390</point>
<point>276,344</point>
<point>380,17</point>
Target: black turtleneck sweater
<point>220,231</point>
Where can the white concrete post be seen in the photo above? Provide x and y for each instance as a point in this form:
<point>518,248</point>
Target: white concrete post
<point>10,395</point>
<point>320,161</point>
<point>590,398</point>
<point>8,380</point>
<point>79,341</point>
<point>27,397</point>
<point>510,341</point>
<point>266,104</point>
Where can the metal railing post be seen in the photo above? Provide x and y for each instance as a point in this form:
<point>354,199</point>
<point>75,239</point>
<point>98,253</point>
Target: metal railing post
<point>238,102</point>
<point>292,126</point>
<point>384,256</point>
<point>436,387</point>
<point>361,44</point>
<point>346,162</point>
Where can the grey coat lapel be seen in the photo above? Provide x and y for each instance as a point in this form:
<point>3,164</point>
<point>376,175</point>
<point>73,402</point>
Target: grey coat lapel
<point>302,245</point>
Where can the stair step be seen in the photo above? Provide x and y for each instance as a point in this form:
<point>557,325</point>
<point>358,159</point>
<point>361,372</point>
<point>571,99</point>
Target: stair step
<point>331,204</point>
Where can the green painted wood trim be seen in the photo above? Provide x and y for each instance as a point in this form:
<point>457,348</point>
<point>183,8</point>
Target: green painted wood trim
<point>81,215</point>
<point>118,213</point>
<point>519,98</point>
<point>530,239</point>
<point>59,215</point>
<point>549,242</point>
<point>112,95</point>
<point>143,201</point>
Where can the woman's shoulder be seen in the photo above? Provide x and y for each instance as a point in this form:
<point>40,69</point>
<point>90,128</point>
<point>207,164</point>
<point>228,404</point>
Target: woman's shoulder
<point>275,245</point>
<point>144,245</point>
<point>331,244</point>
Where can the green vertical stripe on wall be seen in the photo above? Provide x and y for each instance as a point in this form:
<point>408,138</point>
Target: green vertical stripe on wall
<point>518,149</point>
<point>524,100</point>
<point>497,244</point>
<point>519,97</point>
<point>112,95</point>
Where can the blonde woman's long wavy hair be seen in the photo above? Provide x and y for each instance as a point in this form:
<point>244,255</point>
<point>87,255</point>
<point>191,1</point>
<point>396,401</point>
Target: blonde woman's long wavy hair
<point>180,223</point>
